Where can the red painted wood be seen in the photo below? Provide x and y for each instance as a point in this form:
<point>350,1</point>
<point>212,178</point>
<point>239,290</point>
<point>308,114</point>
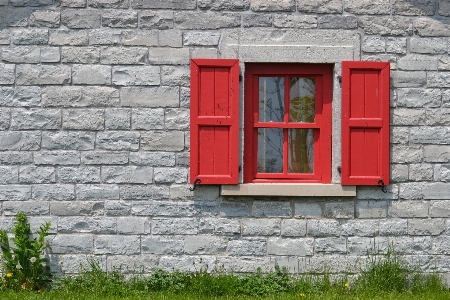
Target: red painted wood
<point>214,121</point>
<point>365,123</point>
<point>322,125</point>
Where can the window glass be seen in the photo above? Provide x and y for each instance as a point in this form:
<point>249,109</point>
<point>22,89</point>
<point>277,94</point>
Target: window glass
<point>301,151</point>
<point>302,99</point>
<point>271,99</point>
<point>270,150</point>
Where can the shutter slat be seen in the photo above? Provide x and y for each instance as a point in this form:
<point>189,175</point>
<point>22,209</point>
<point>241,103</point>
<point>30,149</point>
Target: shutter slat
<point>214,121</point>
<point>365,123</point>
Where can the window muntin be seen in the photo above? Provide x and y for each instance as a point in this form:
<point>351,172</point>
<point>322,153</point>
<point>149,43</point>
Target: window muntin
<point>287,123</point>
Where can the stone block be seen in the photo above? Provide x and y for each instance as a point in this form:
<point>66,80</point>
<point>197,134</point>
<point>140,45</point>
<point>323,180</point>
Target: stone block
<point>408,209</point>
<point>201,38</point>
<point>30,208</point>
<point>155,159</point>
<point>288,246</point>
<point>131,75</point>
<point>43,74</point>
<point>5,36</point>
<point>272,5</point>
<point>145,193</point>
<point>321,228</point>
<point>118,119</point>
<point>444,8</point>
<point>109,3</point>
<point>171,175</point>
<point>224,4</point>
<point>180,192</point>
<point>30,2</point>
<point>79,175</point>
<point>375,193</point>
<point>45,18</point>
<point>438,116</point>
<point>204,245</point>
<point>339,210</point>
<point>293,228</point>
<point>72,243</point>
<point>439,208</point>
<point>441,172</point>
<point>399,173</point>
<point>395,227</point>
<point>50,192</point>
<point>396,45</point>
<point>170,38</point>
<point>374,44</point>
<point>412,245</point>
<point>73,3</point>
<point>140,38</point>
<point>167,245</point>
<point>118,140</point>
<point>219,226</point>
<point>233,209</point>
<point>105,37</point>
<point>123,56</point>
<point>175,75</point>
<point>406,116</point>
<point>271,209</point>
<point>68,140</point>
<point>414,8</point>
<point>30,36</point>
<point>207,20</point>
<point>104,157</point>
<point>377,7</point>
<point>411,190</point>
<point>320,6</point>
<point>31,174</point>
<point>331,245</point>
<point>132,264</point>
<point>91,74</point>
<point>177,118</point>
<point>50,54</point>
<point>80,55</point>
<point>204,53</point>
<point>438,79</point>
<point>174,226</point>
<point>97,192</point>
<point>240,264</point>
<point>7,73</point>
<point>70,264</point>
<point>15,192</point>
<point>337,22</point>
<point>426,226</point>
<point>76,208</point>
<point>83,119</point>
<point>35,118</point>
<point>172,4</point>
<point>13,17</point>
<point>257,20</point>
<point>162,141</point>
<point>257,227</point>
<point>187,263</point>
<point>429,135</point>
<point>425,26</point>
<point>408,79</point>
<point>418,98</point>
<point>147,118</point>
<point>120,19</point>
<point>117,208</point>
<point>360,228</point>
<point>81,18</point>
<point>96,225</point>
<point>168,56</point>
<point>437,190</point>
<point>5,117</point>
<point>16,158</point>
<point>363,245</point>
<point>183,159</point>
<point>417,63</point>
<point>384,25</point>
<point>420,172</point>
<point>117,244</point>
<point>371,209</point>
<point>57,158</point>
<point>151,19</point>
<point>21,54</point>
<point>428,45</point>
<point>407,154</point>
<point>441,245</point>
<point>133,225</point>
<point>294,21</point>
<point>128,174</point>
<point>307,210</point>
<point>247,247</point>
<point>68,38</point>
<point>9,175</point>
<point>150,96</point>
<point>20,140</point>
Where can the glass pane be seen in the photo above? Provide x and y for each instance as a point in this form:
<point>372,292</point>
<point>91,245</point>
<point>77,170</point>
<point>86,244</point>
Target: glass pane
<point>301,102</point>
<point>271,99</point>
<point>301,150</point>
<point>270,150</point>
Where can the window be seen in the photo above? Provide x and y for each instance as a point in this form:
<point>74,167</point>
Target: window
<point>287,126</point>
<point>287,123</point>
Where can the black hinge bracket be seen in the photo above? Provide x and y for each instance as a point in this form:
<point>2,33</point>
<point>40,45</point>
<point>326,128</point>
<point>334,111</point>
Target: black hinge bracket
<point>196,182</point>
<point>383,187</point>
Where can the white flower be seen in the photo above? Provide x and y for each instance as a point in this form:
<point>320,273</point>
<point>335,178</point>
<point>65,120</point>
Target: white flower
<point>18,267</point>
<point>43,264</point>
<point>33,259</point>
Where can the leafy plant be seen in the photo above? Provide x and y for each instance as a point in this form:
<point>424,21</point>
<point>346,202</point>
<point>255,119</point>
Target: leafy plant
<point>23,265</point>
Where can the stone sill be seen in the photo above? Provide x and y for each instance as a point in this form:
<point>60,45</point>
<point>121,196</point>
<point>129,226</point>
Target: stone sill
<point>288,189</point>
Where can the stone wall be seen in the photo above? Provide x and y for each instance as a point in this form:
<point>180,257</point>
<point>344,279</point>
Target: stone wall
<point>94,106</point>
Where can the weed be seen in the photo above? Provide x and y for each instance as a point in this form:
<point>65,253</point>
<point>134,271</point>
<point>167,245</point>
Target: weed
<point>23,266</point>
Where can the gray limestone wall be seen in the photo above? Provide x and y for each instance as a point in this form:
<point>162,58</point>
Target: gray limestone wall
<point>94,132</point>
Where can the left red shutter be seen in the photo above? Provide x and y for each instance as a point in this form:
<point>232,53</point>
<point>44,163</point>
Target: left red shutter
<point>214,121</point>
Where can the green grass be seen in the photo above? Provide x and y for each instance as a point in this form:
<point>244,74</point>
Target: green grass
<point>385,277</point>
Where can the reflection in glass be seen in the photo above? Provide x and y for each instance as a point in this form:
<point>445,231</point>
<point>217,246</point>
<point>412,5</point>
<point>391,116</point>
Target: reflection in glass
<point>301,151</point>
<point>271,99</point>
<point>301,104</point>
<point>270,150</point>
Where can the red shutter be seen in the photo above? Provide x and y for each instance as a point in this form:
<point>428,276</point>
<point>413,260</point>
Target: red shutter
<point>214,121</point>
<point>365,123</point>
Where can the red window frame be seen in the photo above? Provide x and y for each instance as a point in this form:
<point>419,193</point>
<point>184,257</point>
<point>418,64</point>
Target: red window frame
<point>321,125</point>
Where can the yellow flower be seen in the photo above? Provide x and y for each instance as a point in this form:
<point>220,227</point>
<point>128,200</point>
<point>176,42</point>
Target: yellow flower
<point>302,295</point>
<point>9,275</point>
<point>346,284</point>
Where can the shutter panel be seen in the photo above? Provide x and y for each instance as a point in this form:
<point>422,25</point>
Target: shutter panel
<point>214,121</point>
<point>365,123</point>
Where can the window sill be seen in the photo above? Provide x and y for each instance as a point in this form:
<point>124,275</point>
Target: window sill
<point>288,189</point>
